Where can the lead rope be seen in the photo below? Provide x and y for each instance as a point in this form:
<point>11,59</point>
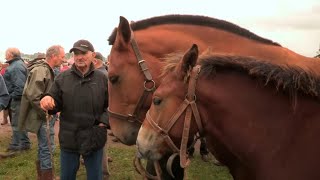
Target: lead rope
<point>48,117</point>
<point>158,169</point>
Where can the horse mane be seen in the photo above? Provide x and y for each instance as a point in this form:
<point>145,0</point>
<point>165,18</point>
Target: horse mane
<point>288,78</point>
<point>194,20</point>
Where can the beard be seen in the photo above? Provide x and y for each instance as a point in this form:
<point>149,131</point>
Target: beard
<point>81,64</point>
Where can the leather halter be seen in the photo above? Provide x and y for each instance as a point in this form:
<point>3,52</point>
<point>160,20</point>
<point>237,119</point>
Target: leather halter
<point>135,117</point>
<point>189,105</point>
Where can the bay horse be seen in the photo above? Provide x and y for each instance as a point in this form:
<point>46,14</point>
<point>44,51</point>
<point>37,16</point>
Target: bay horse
<point>261,118</point>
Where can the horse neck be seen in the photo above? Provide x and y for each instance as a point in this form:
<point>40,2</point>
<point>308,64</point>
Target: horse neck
<point>179,37</point>
<point>233,107</point>
<point>258,125</point>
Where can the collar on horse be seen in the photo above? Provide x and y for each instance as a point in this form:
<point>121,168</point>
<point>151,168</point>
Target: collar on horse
<point>135,117</point>
<point>189,105</point>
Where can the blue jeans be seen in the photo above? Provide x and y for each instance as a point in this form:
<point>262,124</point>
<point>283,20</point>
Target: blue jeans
<point>20,139</point>
<point>44,155</point>
<point>70,162</point>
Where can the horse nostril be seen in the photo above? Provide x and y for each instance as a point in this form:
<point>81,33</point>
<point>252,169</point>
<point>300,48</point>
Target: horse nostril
<point>139,154</point>
<point>142,154</point>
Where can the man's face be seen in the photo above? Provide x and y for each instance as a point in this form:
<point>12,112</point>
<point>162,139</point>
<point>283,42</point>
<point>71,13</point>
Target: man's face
<point>8,56</point>
<point>59,58</point>
<point>97,63</point>
<point>83,59</point>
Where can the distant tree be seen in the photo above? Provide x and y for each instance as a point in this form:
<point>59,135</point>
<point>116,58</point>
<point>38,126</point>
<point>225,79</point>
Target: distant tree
<point>68,55</point>
<point>318,53</point>
<point>27,57</point>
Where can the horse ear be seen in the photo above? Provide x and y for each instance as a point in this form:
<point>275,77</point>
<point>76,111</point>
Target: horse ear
<point>189,60</point>
<point>123,32</point>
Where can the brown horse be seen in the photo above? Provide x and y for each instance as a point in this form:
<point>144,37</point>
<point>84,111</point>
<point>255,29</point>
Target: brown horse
<point>261,118</point>
<point>138,48</point>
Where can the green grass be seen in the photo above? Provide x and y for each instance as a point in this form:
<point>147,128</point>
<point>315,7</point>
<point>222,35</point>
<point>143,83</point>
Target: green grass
<point>22,166</point>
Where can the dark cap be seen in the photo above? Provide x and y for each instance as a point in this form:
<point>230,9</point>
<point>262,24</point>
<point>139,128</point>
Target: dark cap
<point>39,56</point>
<point>82,45</point>
<point>99,56</point>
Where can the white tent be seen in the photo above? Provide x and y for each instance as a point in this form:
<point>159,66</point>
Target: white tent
<point>2,56</point>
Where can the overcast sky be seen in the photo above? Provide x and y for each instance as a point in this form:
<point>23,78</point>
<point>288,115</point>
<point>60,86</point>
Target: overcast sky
<point>34,25</point>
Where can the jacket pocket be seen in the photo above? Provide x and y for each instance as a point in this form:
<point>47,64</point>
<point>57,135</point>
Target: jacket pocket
<point>91,139</point>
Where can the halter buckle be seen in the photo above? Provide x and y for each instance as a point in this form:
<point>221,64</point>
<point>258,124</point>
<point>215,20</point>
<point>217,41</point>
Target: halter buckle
<point>149,89</point>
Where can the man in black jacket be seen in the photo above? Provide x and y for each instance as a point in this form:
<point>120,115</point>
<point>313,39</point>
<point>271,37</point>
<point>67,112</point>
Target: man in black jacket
<point>81,95</point>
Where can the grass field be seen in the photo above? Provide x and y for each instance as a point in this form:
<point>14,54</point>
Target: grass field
<point>22,166</point>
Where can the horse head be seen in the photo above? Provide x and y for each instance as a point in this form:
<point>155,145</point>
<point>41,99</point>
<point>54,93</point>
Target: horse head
<point>130,84</point>
<point>162,131</point>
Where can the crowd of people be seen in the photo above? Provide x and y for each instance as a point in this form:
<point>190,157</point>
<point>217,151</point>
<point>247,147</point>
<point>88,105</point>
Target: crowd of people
<point>38,93</point>
<point>35,94</point>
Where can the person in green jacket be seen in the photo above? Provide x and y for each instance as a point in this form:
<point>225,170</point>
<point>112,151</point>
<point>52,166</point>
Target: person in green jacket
<point>32,118</point>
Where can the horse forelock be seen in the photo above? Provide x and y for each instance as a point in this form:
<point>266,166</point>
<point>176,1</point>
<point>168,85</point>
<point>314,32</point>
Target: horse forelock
<point>288,78</point>
<point>194,20</point>
<point>170,61</point>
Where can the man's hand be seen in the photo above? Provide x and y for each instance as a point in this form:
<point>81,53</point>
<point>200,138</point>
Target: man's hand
<point>47,103</point>
<point>101,125</point>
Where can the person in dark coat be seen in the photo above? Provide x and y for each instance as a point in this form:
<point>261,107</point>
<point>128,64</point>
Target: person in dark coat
<point>98,63</point>
<point>4,95</point>
<point>15,78</point>
<point>80,94</point>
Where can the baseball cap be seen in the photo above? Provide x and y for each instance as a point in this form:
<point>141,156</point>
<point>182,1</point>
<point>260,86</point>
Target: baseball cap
<point>82,45</point>
<point>100,56</point>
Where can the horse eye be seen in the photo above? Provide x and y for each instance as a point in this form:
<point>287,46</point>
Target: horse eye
<point>113,79</point>
<point>156,101</point>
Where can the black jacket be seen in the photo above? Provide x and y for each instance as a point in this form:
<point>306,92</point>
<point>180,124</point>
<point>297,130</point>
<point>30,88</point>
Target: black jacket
<point>82,101</point>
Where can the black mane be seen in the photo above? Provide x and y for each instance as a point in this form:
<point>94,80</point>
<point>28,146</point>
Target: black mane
<point>194,20</point>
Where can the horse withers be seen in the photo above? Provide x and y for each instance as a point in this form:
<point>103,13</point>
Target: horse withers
<point>261,118</point>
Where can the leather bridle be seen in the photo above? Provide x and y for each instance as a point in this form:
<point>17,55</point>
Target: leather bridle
<point>190,107</point>
<point>135,116</point>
